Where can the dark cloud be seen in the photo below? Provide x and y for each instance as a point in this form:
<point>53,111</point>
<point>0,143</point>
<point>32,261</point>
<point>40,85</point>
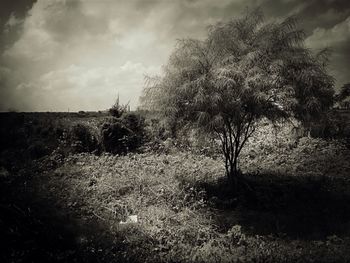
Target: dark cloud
<point>18,7</point>
<point>66,20</point>
<point>17,10</point>
<point>77,54</point>
<point>323,13</point>
<point>338,39</point>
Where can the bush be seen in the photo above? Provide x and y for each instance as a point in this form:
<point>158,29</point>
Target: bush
<point>136,123</point>
<point>156,130</point>
<point>117,110</point>
<point>115,137</point>
<point>124,134</point>
<point>82,140</point>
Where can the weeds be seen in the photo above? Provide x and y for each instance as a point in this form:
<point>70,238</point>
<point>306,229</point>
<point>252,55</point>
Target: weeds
<point>292,204</point>
<point>184,217</point>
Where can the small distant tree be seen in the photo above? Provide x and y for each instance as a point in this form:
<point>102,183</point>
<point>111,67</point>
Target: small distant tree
<point>118,109</point>
<point>245,70</point>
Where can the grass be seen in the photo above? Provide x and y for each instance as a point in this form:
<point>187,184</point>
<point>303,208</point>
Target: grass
<point>70,208</point>
<point>184,213</point>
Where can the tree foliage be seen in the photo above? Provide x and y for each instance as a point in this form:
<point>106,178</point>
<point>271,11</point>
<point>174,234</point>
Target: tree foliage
<point>244,70</point>
<point>117,109</point>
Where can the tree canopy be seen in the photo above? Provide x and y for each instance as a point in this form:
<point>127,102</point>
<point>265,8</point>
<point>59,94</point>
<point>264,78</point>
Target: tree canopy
<point>244,70</point>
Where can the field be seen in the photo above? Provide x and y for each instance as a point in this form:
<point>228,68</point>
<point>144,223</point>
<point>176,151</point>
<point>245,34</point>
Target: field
<point>62,202</point>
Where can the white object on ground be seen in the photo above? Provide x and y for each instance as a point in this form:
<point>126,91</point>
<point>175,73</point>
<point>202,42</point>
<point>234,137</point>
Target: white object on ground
<point>129,219</point>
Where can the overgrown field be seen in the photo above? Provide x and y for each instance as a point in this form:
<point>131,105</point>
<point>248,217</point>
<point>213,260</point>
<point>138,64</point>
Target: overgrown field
<point>293,204</point>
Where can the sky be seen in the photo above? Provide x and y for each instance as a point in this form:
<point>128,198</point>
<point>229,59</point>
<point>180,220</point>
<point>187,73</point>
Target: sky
<point>71,55</point>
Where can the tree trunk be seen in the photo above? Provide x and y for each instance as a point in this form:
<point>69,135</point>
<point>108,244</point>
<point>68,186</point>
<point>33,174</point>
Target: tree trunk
<point>233,137</point>
<point>232,144</point>
<point>232,170</point>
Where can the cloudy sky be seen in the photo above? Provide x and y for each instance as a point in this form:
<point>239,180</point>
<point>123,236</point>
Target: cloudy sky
<point>57,55</point>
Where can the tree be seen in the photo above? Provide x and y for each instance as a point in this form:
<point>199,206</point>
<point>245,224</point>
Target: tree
<point>117,109</point>
<point>245,70</point>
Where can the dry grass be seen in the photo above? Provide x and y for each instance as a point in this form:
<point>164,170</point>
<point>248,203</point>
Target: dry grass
<point>186,212</point>
<point>176,219</point>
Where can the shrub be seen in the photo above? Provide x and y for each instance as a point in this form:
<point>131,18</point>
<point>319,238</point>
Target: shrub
<point>116,137</point>
<point>136,123</point>
<point>82,140</point>
<point>156,133</point>
<point>121,135</point>
<point>117,110</point>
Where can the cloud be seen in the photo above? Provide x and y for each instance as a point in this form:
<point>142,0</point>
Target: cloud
<point>12,21</point>
<point>81,88</point>
<point>71,55</point>
<point>338,39</point>
<point>78,54</point>
<point>337,36</point>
